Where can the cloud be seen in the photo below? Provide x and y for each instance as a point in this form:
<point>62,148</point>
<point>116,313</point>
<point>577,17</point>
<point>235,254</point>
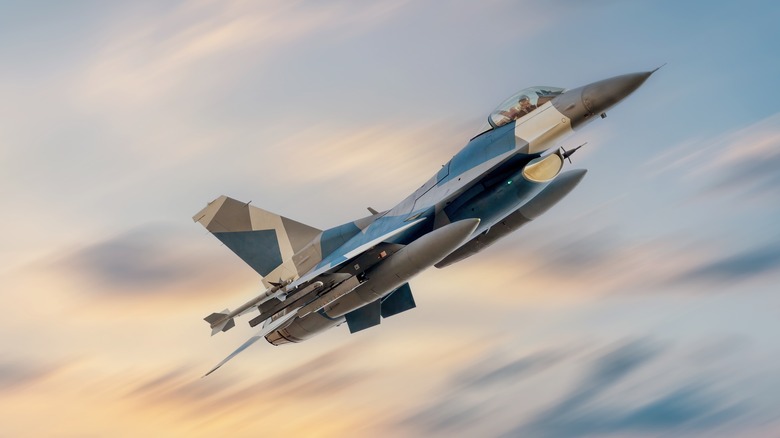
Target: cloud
<point>583,411</point>
<point>482,376</point>
<point>691,405</point>
<point>151,260</point>
<point>149,58</point>
<point>139,260</point>
<point>758,174</point>
<point>584,262</point>
<point>446,416</point>
<point>605,372</point>
<point>15,374</point>
<point>744,163</point>
<point>455,408</point>
<point>342,161</point>
<point>322,377</point>
<point>749,264</point>
<point>619,392</point>
<point>685,409</point>
<point>602,261</point>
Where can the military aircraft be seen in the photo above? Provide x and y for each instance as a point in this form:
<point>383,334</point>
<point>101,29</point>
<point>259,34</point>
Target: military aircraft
<point>506,176</point>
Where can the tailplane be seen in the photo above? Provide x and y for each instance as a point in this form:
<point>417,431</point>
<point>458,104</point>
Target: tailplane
<point>262,239</point>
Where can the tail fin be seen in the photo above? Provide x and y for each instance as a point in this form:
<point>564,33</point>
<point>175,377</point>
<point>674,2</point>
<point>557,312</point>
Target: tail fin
<point>262,239</point>
<point>220,322</point>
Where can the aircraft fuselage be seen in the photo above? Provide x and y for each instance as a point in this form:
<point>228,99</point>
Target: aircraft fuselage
<point>358,272</point>
<point>486,180</point>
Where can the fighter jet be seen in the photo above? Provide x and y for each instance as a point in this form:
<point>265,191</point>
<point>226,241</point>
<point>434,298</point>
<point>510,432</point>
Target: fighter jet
<point>359,272</point>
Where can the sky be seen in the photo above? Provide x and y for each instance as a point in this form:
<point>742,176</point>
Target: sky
<point>644,304</point>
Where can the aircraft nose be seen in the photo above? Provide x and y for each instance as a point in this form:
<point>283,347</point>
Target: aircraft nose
<point>600,96</point>
<point>580,104</point>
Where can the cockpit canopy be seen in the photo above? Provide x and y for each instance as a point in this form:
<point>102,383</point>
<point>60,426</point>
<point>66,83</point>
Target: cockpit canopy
<point>519,104</point>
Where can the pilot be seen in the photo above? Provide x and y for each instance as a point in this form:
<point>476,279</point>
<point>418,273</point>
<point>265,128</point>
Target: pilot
<point>521,108</point>
<point>525,105</point>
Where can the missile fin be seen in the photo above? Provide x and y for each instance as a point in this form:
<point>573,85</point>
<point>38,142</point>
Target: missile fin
<point>220,322</point>
<point>223,326</point>
<point>216,317</point>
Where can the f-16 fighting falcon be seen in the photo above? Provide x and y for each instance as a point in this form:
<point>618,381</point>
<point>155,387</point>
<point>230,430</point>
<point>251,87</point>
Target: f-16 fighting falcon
<point>359,272</point>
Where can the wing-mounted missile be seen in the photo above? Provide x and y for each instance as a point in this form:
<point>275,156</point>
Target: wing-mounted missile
<point>290,298</point>
<point>223,321</point>
<point>549,196</point>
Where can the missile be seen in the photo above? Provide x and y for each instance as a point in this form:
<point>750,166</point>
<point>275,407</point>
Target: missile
<point>223,321</point>
<point>400,267</point>
<point>332,295</point>
<point>537,206</point>
<point>293,297</point>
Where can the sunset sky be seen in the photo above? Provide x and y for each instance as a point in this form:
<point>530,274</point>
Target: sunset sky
<point>645,304</point>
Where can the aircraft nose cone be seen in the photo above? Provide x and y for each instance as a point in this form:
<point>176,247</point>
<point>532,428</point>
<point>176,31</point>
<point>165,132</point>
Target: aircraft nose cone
<point>581,104</point>
<point>599,96</point>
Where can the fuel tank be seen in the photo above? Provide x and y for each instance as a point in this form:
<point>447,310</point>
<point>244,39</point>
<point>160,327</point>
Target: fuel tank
<point>403,265</point>
<point>303,328</point>
<point>549,196</point>
<point>385,277</point>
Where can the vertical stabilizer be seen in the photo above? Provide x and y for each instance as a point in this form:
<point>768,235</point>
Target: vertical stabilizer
<point>262,239</point>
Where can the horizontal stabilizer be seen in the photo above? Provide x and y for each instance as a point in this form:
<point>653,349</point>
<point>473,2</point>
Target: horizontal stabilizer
<point>400,300</point>
<point>364,317</point>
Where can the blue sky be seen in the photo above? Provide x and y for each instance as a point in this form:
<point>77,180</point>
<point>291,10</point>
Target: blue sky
<point>645,304</point>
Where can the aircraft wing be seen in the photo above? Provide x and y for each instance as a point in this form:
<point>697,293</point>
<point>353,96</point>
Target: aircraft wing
<point>297,297</point>
<point>274,325</point>
<point>336,260</point>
